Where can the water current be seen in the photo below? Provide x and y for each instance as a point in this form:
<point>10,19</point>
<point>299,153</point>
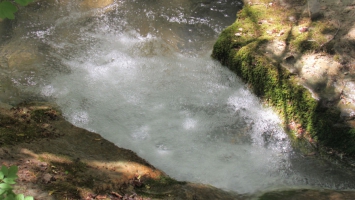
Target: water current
<point>140,74</point>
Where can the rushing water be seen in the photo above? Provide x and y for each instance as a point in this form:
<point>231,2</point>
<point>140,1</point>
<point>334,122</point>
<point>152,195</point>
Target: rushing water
<point>139,73</point>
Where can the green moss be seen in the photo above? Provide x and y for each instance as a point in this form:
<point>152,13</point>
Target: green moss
<point>63,190</point>
<point>70,176</point>
<point>163,181</point>
<point>273,83</point>
<point>44,115</point>
<point>314,39</point>
<point>13,131</point>
<point>337,57</point>
<point>24,125</point>
<point>159,188</point>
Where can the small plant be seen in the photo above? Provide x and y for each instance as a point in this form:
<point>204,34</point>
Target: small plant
<point>7,8</point>
<point>7,178</point>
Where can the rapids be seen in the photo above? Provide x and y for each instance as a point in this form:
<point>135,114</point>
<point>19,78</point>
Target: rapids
<point>140,74</point>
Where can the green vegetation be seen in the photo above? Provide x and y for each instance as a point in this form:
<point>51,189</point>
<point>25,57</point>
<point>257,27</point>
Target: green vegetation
<point>7,178</point>
<point>9,8</point>
<point>19,122</point>
<point>262,23</point>
<point>70,175</point>
<point>240,48</point>
<point>159,188</point>
<point>163,181</point>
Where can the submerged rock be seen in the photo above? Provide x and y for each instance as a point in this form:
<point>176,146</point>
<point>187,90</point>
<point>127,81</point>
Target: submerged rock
<point>96,3</point>
<point>19,56</point>
<point>309,194</point>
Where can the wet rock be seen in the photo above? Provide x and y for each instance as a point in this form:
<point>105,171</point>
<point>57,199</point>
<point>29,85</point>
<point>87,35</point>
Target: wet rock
<point>18,59</point>
<point>96,3</point>
<point>18,55</point>
<point>314,9</point>
<point>308,194</point>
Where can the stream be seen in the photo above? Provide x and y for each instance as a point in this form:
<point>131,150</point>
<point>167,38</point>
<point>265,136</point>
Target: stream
<point>140,74</point>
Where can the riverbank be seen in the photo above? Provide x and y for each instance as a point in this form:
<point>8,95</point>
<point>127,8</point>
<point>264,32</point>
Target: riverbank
<point>297,56</point>
<point>57,160</point>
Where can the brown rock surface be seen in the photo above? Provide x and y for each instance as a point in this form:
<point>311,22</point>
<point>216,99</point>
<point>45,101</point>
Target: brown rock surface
<point>57,160</point>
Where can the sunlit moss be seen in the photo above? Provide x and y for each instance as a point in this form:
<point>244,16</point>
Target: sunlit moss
<point>238,47</point>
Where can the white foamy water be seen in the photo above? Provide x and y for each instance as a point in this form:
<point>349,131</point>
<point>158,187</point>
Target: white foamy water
<point>188,116</point>
<point>141,76</point>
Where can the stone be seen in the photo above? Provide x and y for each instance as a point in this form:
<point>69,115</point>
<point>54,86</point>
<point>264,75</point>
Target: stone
<point>20,55</point>
<point>96,3</point>
<point>314,9</point>
<point>21,59</point>
<point>47,178</point>
<point>351,34</point>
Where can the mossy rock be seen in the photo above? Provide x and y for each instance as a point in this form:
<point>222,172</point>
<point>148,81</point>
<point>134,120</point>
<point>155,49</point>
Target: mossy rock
<point>239,48</point>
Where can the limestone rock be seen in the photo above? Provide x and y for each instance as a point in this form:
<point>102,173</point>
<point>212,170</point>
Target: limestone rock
<point>21,59</point>
<point>96,3</point>
<point>351,34</point>
<point>20,56</point>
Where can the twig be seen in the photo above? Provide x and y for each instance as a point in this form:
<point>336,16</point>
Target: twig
<point>332,37</point>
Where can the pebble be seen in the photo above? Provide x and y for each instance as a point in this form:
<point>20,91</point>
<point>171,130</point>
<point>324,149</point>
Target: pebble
<point>47,178</point>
